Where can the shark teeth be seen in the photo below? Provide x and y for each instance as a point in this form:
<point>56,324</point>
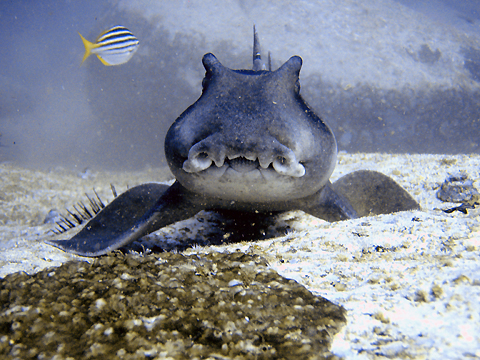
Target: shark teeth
<point>268,153</point>
<point>285,164</point>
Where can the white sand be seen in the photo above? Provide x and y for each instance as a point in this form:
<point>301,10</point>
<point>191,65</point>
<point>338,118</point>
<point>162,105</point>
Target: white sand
<point>411,287</point>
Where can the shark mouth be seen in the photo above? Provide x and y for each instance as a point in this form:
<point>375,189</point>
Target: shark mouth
<point>280,158</point>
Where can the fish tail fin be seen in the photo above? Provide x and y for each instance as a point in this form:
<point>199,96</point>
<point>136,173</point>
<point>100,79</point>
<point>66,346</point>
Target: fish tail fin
<point>103,61</point>
<point>88,48</point>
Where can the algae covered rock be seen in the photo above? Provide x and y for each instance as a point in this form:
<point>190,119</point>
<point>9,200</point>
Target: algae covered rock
<point>218,306</point>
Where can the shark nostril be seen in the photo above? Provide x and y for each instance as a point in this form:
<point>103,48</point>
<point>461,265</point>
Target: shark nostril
<point>204,153</point>
<point>202,156</point>
<point>280,165</point>
<point>281,160</point>
<point>197,162</point>
<point>288,166</point>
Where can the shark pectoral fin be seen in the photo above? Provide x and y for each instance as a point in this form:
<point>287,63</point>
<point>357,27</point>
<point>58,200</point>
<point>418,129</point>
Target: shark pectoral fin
<point>373,193</point>
<point>326,204</point>
<point>108,229</point>
<point>133,214</point>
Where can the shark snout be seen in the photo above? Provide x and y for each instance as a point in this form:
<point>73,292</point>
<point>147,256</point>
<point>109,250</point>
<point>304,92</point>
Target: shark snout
<point>241,157</point>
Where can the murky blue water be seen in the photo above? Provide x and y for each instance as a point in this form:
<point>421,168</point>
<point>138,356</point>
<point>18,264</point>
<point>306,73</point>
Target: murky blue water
<point>382,78</point>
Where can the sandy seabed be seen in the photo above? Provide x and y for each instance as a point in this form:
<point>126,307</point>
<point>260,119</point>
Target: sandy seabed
<point>410,281</point>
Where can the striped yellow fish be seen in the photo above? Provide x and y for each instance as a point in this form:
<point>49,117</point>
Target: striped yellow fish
<point>114,46</point>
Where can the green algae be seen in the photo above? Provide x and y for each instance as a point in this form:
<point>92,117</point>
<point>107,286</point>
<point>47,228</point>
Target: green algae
<point>218,306</point>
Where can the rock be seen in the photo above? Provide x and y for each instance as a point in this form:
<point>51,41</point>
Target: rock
<point>458,188</point>
<point>170,305</point>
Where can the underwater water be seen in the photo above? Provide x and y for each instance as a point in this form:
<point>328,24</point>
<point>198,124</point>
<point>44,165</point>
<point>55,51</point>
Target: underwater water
<point>392,77</point>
